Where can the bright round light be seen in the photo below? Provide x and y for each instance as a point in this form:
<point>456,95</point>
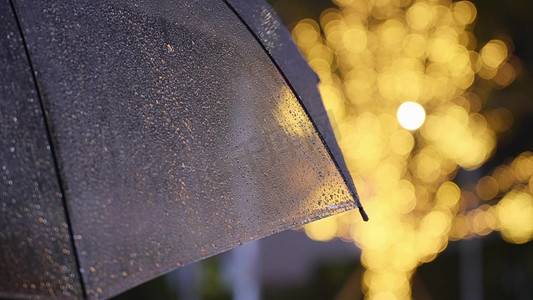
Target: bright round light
<point>411,115</point>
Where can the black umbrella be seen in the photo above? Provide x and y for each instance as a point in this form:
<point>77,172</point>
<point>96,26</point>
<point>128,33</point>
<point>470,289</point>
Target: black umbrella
<point>138,136</point>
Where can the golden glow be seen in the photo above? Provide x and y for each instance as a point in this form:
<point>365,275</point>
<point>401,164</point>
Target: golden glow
<point>515,215</point>
<point>448,194</point>
<point>464,12</point>
<point>288,113</point>
<point>487,188</point>
<point>411,115</point>
<point>494,53</point>
<point>371,57</point>
<point>322,230</point>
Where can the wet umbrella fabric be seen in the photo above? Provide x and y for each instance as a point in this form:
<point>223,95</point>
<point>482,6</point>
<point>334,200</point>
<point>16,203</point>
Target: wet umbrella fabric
<point>141,136</point>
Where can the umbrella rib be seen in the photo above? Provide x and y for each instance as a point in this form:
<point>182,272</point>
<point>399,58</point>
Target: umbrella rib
<point>351,187</point>
<point>48,127</point>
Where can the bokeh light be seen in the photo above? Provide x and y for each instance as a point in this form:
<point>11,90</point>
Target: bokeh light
<point>515,215</point>
<point>407,83</point>
<point>411,115</point>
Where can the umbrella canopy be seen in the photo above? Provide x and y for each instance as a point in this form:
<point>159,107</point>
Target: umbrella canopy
<point>138,136</point>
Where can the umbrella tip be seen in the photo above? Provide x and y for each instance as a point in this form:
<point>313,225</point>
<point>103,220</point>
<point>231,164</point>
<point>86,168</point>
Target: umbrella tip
<point>363,214</point>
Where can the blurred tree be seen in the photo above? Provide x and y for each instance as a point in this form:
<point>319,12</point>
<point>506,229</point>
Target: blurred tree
<point>419,169</point>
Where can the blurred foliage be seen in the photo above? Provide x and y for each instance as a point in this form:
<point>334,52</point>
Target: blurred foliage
<point>153,289</point>
<point>328,283</point>
<point>205,279</point>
